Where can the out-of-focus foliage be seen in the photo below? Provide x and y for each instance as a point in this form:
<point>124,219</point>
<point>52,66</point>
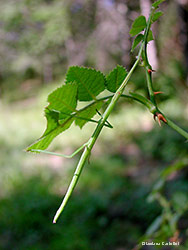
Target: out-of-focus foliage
<point>39,39</point>
<point>33,34</point>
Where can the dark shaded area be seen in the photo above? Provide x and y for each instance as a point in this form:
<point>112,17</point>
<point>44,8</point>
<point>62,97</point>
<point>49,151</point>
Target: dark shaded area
<point>115,213</point>
<point>94,219</point>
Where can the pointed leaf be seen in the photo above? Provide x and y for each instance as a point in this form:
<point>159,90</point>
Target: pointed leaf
<point>63,99</point>
<point>138,25</point>
<point>156,4</point>
<point>156,16</point>
<point>150,36</point>
<point>87,114</point>
<point>136,41</point>
<point>52,118</point>
<point>90,82</point>
<point>54,128</point>
<point>115,78</point>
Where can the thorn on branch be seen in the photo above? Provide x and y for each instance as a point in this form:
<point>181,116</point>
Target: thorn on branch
<point>151,71</point>
<point>160,118</point>
<point>158,92</point>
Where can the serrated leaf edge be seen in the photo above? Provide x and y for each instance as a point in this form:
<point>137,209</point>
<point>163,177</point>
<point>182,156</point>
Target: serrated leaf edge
<point>116,68</point>
<point>86,68</point>
<point>64,103</point>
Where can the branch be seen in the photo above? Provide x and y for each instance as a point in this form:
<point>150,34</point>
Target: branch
<point>150,85</point>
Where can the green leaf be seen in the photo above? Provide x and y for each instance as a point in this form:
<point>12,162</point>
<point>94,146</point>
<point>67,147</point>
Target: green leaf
<point>90,82</point>
<point>150,36</point>
<point>84,115</point>
<point>136,41</point>
<point>156,16</point>
<point>138,25</point>
<point>52,118</point>
<point>115,78</point>
<point>54,128</point>
<point>63,99</point>
<point>156,4</point>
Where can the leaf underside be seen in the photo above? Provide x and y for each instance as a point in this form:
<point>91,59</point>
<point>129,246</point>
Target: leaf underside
<point>115,78</point>
<point>150,36</point>
<point>157,3</point>
<point>140,38</point>
<point>54,128</point>
<point>136,41</point>
<point>156,16</point>
<point>90,82</point>
<point>138,25</point>
<point>64,99</point>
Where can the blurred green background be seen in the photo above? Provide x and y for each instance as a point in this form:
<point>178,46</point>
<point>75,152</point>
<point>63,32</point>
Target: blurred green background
<point>122,191</point>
